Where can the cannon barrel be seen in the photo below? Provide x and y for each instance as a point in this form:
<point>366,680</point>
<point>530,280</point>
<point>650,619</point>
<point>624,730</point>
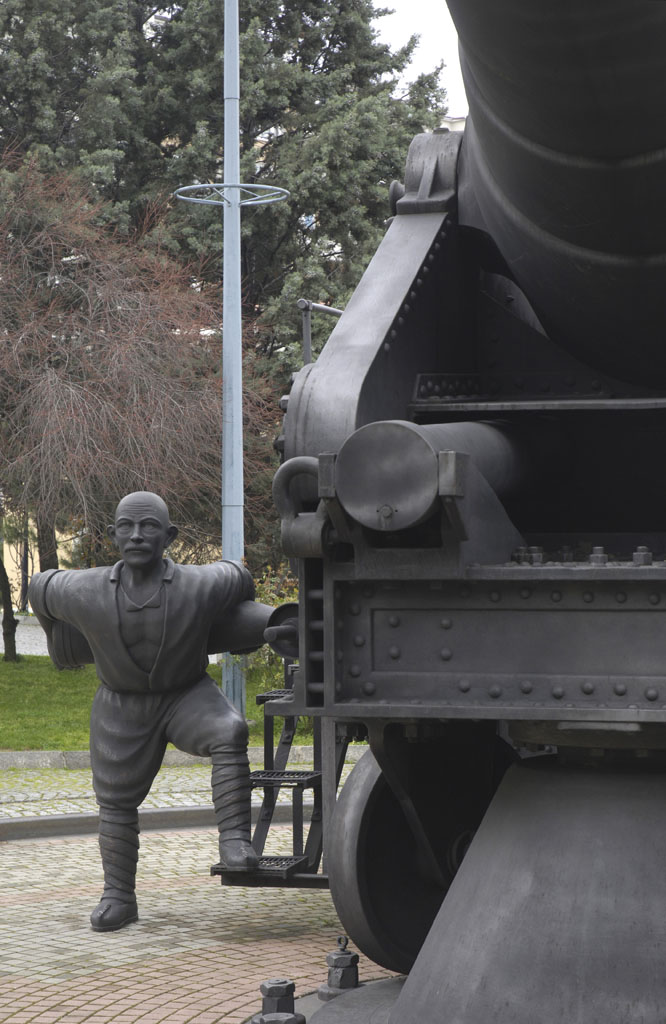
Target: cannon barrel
<point>564,166</point>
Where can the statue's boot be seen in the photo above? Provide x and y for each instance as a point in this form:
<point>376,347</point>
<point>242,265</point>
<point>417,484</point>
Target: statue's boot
<point>119,847</point>
<point>231,799</point>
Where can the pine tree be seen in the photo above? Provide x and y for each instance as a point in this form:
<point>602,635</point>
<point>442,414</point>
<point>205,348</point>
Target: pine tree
<point>130,94</point>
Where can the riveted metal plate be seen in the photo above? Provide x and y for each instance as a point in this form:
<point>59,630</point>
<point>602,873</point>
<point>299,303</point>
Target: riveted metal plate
<point>565,648</point>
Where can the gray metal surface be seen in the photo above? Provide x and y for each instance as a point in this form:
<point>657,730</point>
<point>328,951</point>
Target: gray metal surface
<point>368,1004</point>
<point>518,290</point>
<point>545,164</point>
<point>557,913</point>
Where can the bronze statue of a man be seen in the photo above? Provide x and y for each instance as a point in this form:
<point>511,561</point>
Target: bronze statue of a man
<point>147,622</point>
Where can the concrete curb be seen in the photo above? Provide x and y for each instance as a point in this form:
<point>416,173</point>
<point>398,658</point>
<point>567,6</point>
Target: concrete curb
<point>52,826</point>
<point>80,759</point>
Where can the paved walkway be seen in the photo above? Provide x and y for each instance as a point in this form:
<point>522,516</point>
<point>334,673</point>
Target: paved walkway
<point>197,954</point>
<point>30,637</point>
<point>199,951</point>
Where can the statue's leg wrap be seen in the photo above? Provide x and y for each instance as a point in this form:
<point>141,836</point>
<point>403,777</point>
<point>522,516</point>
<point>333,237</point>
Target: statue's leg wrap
<point>231,794</point>
<point>119,848</point>
<point>205,723</point>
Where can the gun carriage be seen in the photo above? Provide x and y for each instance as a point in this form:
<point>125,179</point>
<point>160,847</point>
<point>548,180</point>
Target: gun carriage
<point>473,491</point>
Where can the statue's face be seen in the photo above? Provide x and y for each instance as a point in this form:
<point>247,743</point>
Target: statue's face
<point>141,531</point>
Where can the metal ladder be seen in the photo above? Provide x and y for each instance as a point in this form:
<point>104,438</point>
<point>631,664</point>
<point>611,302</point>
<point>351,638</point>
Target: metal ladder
<point>301,868</point>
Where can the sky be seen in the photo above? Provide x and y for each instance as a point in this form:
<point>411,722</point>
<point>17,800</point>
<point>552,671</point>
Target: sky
<point>431,20</point>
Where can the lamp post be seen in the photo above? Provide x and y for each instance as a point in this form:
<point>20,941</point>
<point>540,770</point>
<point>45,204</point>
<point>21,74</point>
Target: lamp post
<point>232,196</point>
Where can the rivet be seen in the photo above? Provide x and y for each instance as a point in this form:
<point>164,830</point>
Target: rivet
<point>654,598</point>
<point>494,595</point>
<point>394,652</point>
<point>445,654</point>
<point>587,687</point>
<point>526,686</point>
<point>359,640</point>
<point>446,623</point>
<point>620,597</point>
<point>406,308</point>
<point>387,347</point>
<point>354,671</point>
<point>393,334</point>
<point>495,691</point>
<point>526,592</point>
<point>588,596</point>
<point>558,692</point>
<point>338,687</point>
<point>556,596</point>
<point>394,621</point>
<point>620,689</point>
<point>369,689</point>
<point>354,609</point>
<point>464,685</point>
<point>651,693</point>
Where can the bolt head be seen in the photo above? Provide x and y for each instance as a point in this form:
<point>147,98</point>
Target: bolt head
<point>341,959</point>
<point>277,987</point>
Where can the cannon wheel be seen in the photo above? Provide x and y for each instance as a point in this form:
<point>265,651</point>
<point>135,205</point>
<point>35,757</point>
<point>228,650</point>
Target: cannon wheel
<point>383,899</point>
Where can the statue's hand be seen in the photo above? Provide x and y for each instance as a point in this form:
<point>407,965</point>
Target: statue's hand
<point>282,631</point>
<point>286,632</point>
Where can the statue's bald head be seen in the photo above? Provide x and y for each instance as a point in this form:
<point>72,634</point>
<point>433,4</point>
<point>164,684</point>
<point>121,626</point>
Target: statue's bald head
<point>142,529</point>
<point>143,503</point>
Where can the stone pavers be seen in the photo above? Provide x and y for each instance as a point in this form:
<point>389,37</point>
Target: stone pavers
<point>30,637</point>
<point>197,954</point>
<point>199,951</point>
<point>35,792</point>
<point>32,792</point>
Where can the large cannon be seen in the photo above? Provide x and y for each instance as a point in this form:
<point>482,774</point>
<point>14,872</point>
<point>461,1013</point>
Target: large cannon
<point>473,489</point>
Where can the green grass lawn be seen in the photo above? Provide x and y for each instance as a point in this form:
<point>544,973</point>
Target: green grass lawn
<point>44,709</point>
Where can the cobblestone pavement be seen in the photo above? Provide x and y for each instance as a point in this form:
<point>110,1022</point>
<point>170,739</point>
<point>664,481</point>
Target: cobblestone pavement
<point>196,956</point>
<point>44,792</point>
<point>199,951</point>
<point>30,637</point>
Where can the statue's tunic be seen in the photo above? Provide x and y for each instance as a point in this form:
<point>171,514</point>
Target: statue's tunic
<point>195,596</point>
<point>135,712</point>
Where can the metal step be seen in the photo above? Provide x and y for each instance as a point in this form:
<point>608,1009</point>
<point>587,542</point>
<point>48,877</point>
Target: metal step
<point>263,698</point>
<point>284,872</point>
<point>301,779</point>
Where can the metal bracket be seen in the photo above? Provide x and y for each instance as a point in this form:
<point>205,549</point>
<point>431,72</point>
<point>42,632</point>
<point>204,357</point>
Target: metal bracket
<point>431,173</point>
<point>300,532</point>
<point>452,476</point>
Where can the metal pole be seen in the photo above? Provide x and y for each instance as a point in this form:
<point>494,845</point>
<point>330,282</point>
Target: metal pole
<point>232,366</point>
<point>306,307</point>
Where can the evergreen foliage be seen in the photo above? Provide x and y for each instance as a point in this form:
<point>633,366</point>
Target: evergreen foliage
<point>130,93</point>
